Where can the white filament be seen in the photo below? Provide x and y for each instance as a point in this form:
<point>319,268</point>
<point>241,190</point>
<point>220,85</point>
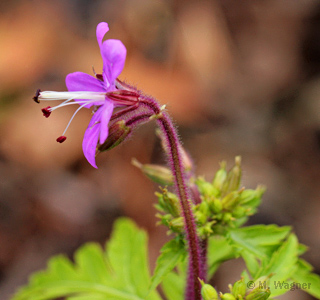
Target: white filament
<point>68,97</point>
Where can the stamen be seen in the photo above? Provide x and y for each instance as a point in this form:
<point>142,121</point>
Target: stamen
<point>35,98</point>
<point>68,96</point>
<point>73,117</point>
<point>98,76</point>
<point>61,139</point>
<point>65,103</point>
<point>46,111</point>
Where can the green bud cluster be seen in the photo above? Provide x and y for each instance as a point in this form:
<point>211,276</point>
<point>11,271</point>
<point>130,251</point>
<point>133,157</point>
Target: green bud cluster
<point>168,205</point>
<point>240,291</point>
<point>223,203</point>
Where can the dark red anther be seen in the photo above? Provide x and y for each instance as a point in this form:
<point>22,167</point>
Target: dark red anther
<point>61,139</point>
<point>46,111</point>
<point>36,96</point>
<point>99,76</point>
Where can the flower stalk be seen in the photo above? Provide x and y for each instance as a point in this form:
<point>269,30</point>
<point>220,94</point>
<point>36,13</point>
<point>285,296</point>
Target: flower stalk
<point>193,288</point>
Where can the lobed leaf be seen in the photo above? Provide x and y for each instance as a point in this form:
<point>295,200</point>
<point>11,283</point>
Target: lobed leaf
<point>282,265</point>
<point>309,282</point>
<point>219,250</point>
<point>260,240</point>
<point>119,273</point>
<point>171,254</point>
<point>173,286</point>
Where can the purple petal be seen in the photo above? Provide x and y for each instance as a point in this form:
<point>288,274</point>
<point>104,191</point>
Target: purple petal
<point>113,55</point>
<point>79,81</point>
<point>107,110</point>
<point>90,139</point>
<point>102,29</point>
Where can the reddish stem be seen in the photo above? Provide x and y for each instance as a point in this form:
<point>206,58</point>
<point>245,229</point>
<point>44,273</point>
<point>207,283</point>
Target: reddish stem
<point>193,288</point>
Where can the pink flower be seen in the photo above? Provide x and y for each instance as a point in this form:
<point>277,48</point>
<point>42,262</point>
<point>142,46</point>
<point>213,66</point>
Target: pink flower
<point>89,91</point>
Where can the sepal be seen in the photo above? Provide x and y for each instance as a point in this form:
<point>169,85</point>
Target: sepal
<point>118,132</point>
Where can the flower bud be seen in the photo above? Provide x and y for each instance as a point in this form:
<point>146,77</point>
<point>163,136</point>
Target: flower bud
<point>259,294</point>
<point>239,212</point>
<point>239,288</point>
<point>156,173</point>
<point>261,283</point>
<point>252,197</point>
<point>204,208</point>
<point>227,296</point>
<point>231,200</point>
<point>227,218</point>
<point>206,188</point>
<point>206,230</point>
<point>164,219</point>
<point>220,177</point>
<point>200,217</point>
<point>169,203</point>
<point>232,181</point>
<point>118,132</point>
<point>215,205</point>
<point>208,292</point>
<point>177,224</point>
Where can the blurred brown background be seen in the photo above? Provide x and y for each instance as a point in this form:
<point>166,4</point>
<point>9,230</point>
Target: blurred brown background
<point>239,78</point>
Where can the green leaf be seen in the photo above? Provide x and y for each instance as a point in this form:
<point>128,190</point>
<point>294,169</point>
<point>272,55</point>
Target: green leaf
<point>91,264</point>
<point>309,282</point>
<point>282,265</point>
<point>302,249</point>
<point>171,254</point>
<point>260,240</point>
<point>245,276</point>
<point>219,250</point>
<point>251,262</point>
<point>119,273</point>
<point>86,297</point>
<point>173,286</point>
<point>127,253</point>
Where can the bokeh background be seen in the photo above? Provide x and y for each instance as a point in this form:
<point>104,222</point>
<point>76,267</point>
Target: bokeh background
<point>239,78</point>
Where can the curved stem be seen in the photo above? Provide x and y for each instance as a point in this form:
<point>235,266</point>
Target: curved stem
<point>173,144</point>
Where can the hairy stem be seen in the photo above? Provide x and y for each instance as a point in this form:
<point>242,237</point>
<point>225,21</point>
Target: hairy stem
<point>173,145</point>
